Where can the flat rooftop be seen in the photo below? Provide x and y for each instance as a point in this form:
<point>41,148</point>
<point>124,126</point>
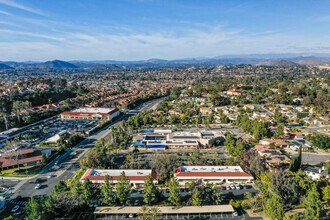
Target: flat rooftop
<point>167,209</point>
<point>93,110</point>
<point>96,172</point>
<point>211,169</point>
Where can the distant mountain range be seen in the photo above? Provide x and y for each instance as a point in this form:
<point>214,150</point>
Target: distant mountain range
<point>5,67</point>
<point>274,60</point>
<point>284,63</point>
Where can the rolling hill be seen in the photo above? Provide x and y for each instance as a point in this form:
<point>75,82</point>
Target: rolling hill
<point>5,67</point>
<point>56,64</point>
<point>284,63</point>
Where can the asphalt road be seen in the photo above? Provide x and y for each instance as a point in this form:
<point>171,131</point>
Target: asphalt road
<point>26,188</point>
<point>313,158</point>
<point>315,130</point>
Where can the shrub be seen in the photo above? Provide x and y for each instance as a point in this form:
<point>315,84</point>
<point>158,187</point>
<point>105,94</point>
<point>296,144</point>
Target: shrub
<point>245,204</point>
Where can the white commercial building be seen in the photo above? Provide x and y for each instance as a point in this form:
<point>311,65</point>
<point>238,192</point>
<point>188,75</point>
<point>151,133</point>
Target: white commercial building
<point>177,140</point>
<point>212,174</point>
<point>136,177</point>
<point>88,113</point>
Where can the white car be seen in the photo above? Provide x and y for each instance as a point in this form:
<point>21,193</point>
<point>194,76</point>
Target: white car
<point>4,197</point>
<point>232,187</point>
<point>15,208</point>
<point>51,176</point>
<point>38,186</point>
<point>235,214</point>
<point>238,186</point>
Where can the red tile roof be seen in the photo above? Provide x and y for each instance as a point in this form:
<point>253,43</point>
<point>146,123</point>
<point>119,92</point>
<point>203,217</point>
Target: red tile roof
<point>211,174</point>
<point>208,174</point>
<point>115,178</point>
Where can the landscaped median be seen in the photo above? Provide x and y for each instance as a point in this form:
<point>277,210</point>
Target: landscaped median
<point>23,172</point>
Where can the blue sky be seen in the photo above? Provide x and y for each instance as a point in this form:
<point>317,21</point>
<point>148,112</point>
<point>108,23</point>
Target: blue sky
<point>143,29</point>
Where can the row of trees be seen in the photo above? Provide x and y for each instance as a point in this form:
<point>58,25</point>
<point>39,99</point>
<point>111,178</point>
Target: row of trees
<point>255,127</point>
<point>72,195</point>
<point>283,189</point>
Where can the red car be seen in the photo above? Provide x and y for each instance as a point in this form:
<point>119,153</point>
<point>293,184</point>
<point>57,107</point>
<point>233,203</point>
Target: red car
<point>222,187</point>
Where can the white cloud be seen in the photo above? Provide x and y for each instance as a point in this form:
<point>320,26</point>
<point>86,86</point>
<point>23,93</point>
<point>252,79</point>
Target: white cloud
<point>5,12</point>
<point>14,4</point>
<point>14,32</point>
<point>99,44</point>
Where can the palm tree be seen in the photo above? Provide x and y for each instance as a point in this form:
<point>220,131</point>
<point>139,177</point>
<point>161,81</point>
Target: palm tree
<point>144,213</point>
<point>5,110</point>
<point>11,149</point>
<point>155,212</point>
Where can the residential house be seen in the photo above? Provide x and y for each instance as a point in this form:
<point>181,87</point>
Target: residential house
<point>317,173</point>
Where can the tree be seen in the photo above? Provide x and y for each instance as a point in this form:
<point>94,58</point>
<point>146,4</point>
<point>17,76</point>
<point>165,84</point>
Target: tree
<point>5,109</point>
<point>255,203</point>
<point>34,209</point>
<point>17,108</point>
<point>144,213</point>
<point>295,163</point>
<point>197,199</point>
<point>109,196</point>
<point>87,192</point>
<point>274,208</point>
<point>149,191</point>
<point>123,189</point>
<point>66,201</point>
<point>164,165</point>
<point>44,159</point>
<point>312,203</point>
<point>59,187</point>
<point>286,188</point>
<point>12,151</point>
<point>155,212</point>
<point>175,197</point>
<point>215,195</point>
<point>326,194</point>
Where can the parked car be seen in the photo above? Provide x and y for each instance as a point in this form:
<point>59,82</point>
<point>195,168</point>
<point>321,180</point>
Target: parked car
<point>232,187</point>
<point>228,188</point>
<point>238,186</point>
<point>38,186</point>
<point>16,207</point>
<point>136,203</point>
<point>222,187</point>
<point>131,215</point>
<point>124,216</point>
<point>235,214</point>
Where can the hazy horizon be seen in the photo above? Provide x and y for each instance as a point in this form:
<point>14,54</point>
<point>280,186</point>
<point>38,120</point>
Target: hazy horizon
<point>131,30</point>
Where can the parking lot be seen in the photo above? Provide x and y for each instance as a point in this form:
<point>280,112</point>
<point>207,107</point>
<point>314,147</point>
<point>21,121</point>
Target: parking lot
<point>137,194</point>
<point>10,204</point>
<point>50,127</point>
<point>210,216</point>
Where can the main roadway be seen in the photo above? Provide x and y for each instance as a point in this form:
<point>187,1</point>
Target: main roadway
<point>67,169</point>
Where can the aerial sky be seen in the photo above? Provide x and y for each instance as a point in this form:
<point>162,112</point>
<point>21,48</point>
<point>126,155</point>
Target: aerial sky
<point>42,30</point>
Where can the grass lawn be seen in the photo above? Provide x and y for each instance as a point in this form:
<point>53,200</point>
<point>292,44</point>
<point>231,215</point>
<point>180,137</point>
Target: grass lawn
<point>11,172</point>
<point>327,131</point>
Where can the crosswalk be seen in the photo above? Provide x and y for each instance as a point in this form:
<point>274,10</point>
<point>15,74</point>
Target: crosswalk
<point>16,202</point>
